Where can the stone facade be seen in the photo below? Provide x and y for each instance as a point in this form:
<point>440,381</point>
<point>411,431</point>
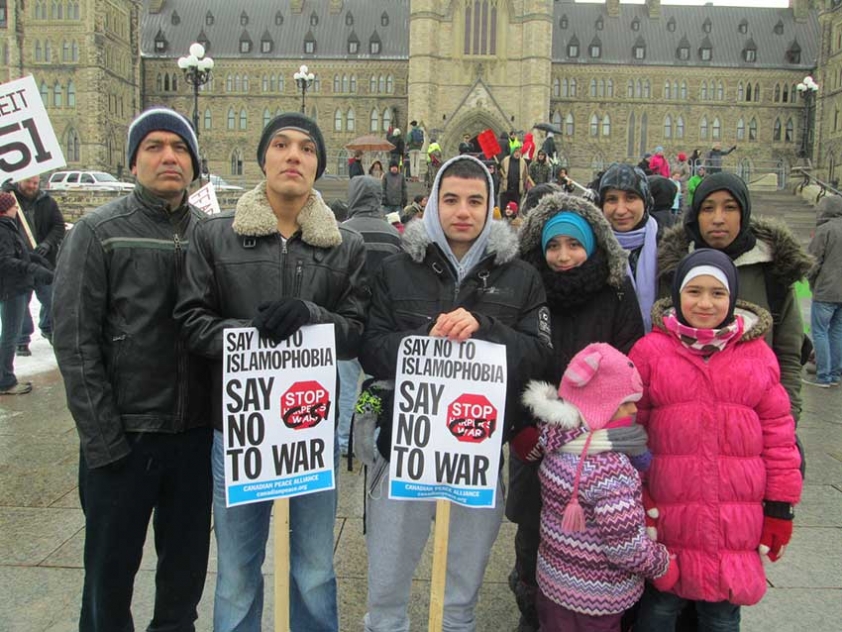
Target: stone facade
<point>458,66</point>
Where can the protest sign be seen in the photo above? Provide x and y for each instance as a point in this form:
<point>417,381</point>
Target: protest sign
<point>205,199</point>
<point>28,144</point>
<point>447,422</point>
<point>278,408</point>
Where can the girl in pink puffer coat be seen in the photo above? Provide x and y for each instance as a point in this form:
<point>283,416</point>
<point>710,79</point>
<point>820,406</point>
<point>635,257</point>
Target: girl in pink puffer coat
<point>724,475</point>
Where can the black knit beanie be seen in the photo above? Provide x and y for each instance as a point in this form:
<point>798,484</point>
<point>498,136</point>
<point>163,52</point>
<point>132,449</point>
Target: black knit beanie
<point>300,123</point>
<point>722,181</point>
<point>161,118</point>
<point>706,257</point>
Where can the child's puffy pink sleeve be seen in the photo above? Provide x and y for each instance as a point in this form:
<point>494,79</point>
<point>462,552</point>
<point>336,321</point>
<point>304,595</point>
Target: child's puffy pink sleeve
<point>639,355</point>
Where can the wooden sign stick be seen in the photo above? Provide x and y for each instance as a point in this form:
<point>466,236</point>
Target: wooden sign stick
<point>281,516</point>
<point>439,576</point>
<point>26,229</point>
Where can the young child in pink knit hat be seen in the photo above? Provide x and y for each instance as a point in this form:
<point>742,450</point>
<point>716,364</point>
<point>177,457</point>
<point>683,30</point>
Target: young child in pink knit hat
<point>594,552</point>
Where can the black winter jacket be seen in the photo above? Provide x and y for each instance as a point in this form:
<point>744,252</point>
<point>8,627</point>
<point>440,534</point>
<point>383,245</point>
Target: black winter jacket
<point>239,260</point>
<point>118,347</point>
<point>16,267</point>
<point>366,217</point>
<point>45,221</point>
<point>503,293</point>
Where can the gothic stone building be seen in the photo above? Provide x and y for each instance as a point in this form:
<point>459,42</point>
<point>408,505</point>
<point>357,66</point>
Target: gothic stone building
<point>617,79</point>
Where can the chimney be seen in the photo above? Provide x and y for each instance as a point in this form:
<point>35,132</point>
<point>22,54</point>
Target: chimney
<point>654,7</point>
<point>613,7</point>
<point>800,9</point>
<point>336,6</point>
<point>297,6</point>
<point>156,6</point>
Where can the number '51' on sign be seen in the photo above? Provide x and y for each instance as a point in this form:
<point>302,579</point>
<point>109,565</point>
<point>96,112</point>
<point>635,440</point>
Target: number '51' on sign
<point>28,144</point>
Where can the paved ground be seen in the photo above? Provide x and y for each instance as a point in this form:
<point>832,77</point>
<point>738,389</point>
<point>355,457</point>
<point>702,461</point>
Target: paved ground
<point>41,527</point>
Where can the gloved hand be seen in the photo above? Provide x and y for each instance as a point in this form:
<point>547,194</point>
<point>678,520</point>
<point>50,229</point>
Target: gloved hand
<point>652,515</point>
<point>278,320</point>
<point>40,260</point>
<point>668,580</point>
<point>526,446</point>
<point>42,249</point>
<point>42,276</point>
<point>777,533</point>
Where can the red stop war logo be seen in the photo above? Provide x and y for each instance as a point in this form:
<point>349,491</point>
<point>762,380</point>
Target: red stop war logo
<point>304,405</point>
<point>471,418</point>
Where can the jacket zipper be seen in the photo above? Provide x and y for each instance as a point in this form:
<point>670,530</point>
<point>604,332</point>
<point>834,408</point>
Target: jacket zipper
<point>283,264</point>
<point>299,274</point>
<point>180,351</point>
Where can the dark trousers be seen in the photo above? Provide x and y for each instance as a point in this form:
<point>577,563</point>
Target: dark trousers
<point>11,318</point>
<point>660,611</point>
<point>166,477</point>
<point>45,321</point>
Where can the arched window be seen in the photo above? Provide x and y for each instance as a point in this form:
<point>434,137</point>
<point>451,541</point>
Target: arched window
<point>71,94</point>
<point>166,82</point>
<point>601,88</point>
<point>244,120</point>
<point>229,83</point>
<point>776,131</point>
<point>351,120</point>
<point>353,84</point>
<point>565,87</point>
<point>777,93</point>
<point>703,128</point>
<point>372,84</point>
<point>65,51</point>
<point>342,163</point>
<point>245,83</point>
<point>48,51</point>
<point>679,127</point>
<point>556,87</point>
<point>703,94</point>
<point>668,126</point>
<point>58,94</point>
<point>683,90</point>
<point>593,88</point>
<point>638,89</point>
<point>556,119</point>
<point>267,116</point>
<point>74,48</point>
<point>381,84</point>
<point>789,134</point>
<point>337,84</point>
<point>337,120</point>
<point>569,128</point>
<point>38,53</point>
<point>159,83</point>
<point>752,130</point>
<point>390,84</point>
<point>387,119</point>
<point>740,91</point>
<point>264,84</point>
<point>71,146</point>
<point>208,119</point>
<point>594,125</point>
<point>720,92</point>
<point>647,89</point>
<point>45,93</point>
<point>374,120</point>
<point>757,92</point>
<point>606,125</point>
<point>667,90</point>
<point>717,129</point>
<point>572,87</point>
<point>610,91</point>
<point>793,94</point>
<point>238,83</point>
<point>785,97</point>
<point>741,129</point>
<point>748,92</point>
<point>281,83</point>
<point>236,163</point>
<point>232,118</point>
<point>630,89</point>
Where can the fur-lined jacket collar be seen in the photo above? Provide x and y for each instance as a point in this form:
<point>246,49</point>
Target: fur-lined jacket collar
<point>776,245</point>
<point>550,205</point>
<point>254,218</point>
<point>502,242</point>
<point>757,320</point>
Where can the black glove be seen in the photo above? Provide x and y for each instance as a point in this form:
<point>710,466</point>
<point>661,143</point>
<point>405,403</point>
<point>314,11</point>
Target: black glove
<point>278,320</point>
<point>40,260</point>
<point>42,276</point>
<point>42,249</point>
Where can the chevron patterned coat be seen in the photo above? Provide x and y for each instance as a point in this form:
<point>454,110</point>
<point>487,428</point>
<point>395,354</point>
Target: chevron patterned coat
<point>600,570</point>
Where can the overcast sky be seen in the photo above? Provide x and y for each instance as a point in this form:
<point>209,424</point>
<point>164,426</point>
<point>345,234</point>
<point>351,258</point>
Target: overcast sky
<point>721,3</point>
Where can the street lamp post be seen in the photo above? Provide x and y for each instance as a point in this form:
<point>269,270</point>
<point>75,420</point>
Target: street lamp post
<point>303,79</point>
<point>808,89</point>
<point>197,72</point>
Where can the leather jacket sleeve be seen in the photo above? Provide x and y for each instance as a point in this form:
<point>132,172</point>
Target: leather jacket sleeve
<point>79,307</point>
<point>198,305</point>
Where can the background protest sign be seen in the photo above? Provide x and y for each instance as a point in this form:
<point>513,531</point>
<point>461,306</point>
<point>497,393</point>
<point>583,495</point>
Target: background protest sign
<point>278,406</point>
<point>447,424</point>
<point>205,199</point>
<point>28,144</point>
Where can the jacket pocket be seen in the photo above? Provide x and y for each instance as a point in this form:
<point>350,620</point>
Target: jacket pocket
<point>412,319</point>
<point>117,353</point>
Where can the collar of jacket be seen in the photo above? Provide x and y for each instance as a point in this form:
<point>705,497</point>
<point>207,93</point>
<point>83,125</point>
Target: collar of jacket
<point>254,218</point>
<point>502,242</point>
<point>158,208</point>
<point>776,245</point>
<point>757,320</point>
<point>550,205</point>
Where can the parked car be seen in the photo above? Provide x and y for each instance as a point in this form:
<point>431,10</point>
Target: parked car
<point>221,185</point>
<point>87,180</point>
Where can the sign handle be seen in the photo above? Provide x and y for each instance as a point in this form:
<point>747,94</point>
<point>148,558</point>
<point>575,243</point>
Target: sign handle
<point>281,516</point>
<point>439,576</point>
<point>26,229</point>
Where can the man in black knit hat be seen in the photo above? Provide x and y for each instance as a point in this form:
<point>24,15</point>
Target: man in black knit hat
<point>138,398</point>
<point>278,262</point>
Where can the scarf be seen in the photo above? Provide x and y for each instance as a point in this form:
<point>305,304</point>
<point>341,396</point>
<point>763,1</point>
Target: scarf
<point>576,287</point>
<point>645,278</point>
<point>704,342</point>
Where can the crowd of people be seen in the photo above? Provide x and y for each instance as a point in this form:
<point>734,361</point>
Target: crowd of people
<point>653,374</point>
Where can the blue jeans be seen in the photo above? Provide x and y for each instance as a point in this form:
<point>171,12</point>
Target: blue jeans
<point>44,293</point>
<point>349,377</point>
<point>241,536</point>
<point>826,322</point>
<point>659,611</point>
<point>11,319</point>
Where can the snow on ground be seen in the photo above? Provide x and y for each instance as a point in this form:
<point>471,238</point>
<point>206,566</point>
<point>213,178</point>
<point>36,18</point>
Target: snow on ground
<point>42,359</point>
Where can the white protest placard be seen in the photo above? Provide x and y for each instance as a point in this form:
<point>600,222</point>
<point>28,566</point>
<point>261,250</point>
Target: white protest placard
<point>278,405</point>
<point>205,199</point>
<point>447,426</point>
<point>28,144</point>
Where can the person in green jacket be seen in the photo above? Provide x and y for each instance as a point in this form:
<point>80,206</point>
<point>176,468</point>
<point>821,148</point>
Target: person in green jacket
<point>692,185</point>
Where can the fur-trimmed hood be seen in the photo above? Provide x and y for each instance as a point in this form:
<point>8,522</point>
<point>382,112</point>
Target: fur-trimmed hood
<point>776,245</point>
<point>551,205</point>
<point>757,320</point>
<point>541,398</point>
<point>502,241</point>
<point>254,218</point>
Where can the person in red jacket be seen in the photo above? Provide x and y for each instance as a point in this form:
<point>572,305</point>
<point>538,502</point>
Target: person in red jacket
<point>724,475</point>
